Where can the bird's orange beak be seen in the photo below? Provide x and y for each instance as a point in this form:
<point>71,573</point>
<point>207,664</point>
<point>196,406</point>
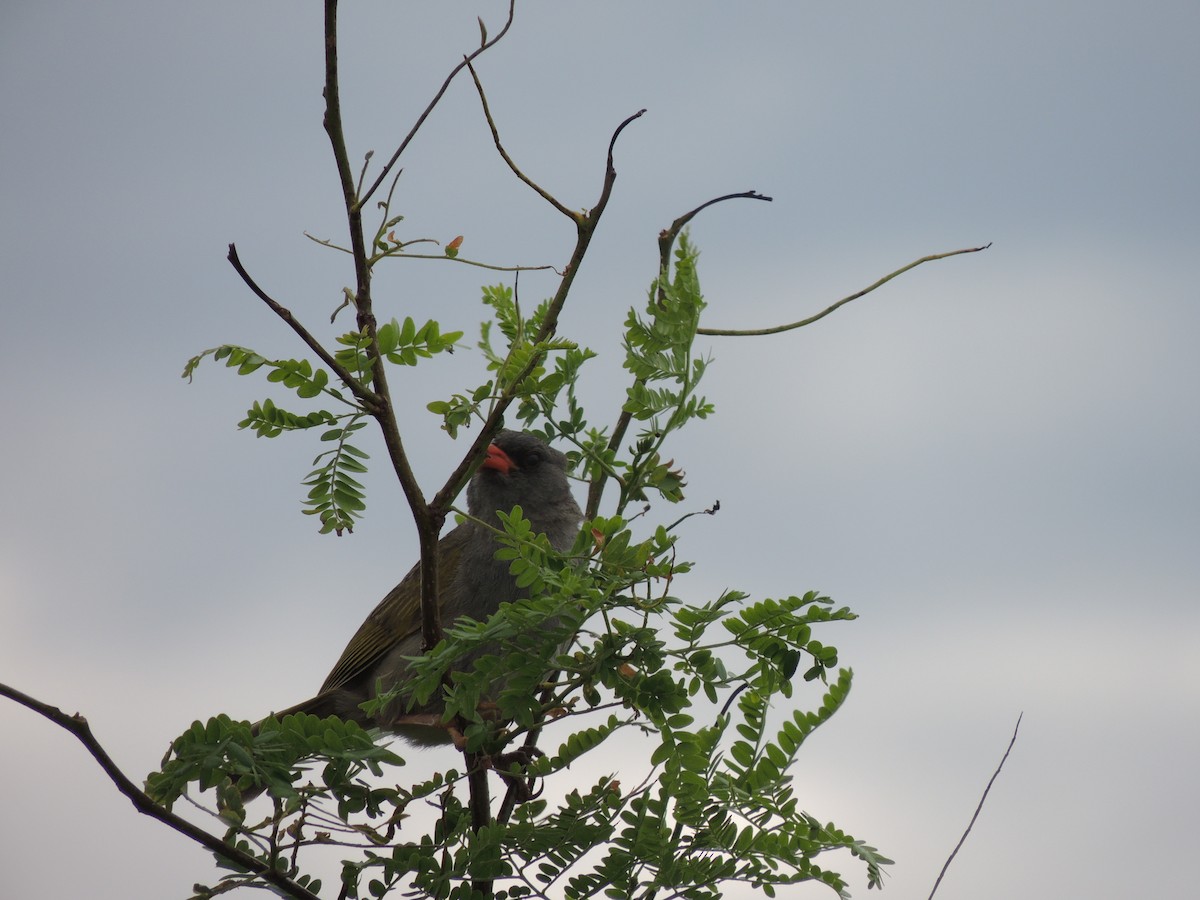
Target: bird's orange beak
<point>497,459</point>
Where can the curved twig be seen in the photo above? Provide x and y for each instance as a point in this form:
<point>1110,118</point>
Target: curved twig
<point>610,172</point>
<point>78,726</point>
<point>487,114</point>
<point>666,238</point>
<point>778,329</point>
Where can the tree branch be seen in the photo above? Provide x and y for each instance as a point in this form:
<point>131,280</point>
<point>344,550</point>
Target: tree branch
<point>369,399</point>
<point>971,824</point>
<point>428,525</point>
<point>78,726</point>
<point>778,329</point>
<point>480,805</point>
<point>462,261</point>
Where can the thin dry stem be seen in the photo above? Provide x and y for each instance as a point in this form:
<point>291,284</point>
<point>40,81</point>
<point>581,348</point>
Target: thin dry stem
<point>779,329</point>
<point>971,824</point>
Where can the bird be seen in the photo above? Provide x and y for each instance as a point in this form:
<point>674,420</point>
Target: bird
<point>519,469</point>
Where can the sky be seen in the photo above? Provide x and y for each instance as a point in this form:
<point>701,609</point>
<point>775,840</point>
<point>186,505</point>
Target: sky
<point>993,459</point>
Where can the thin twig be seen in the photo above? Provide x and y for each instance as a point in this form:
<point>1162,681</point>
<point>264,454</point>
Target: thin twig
<point>369,399</point>
<point>778,329</point>
<point>711,511</point>
<point>78,726</point>
<point>971,824</point>
<point>610,171</point>
<point>487,114</point>
<point>463,261</point>
<point>483,46</point>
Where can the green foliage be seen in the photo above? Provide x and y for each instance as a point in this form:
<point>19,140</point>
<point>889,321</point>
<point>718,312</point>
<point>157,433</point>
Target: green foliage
<point>518,366</point>
<point>603,648</point>
<point>405,344</point>
<point>268,420</point>
<point>334,497</point>
<point>659,349</point>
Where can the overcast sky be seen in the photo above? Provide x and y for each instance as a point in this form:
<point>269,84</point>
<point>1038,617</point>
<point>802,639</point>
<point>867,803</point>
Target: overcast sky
<point>993,459</point>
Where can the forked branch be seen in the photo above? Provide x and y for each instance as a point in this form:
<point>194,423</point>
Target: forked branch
<point>485,44</point>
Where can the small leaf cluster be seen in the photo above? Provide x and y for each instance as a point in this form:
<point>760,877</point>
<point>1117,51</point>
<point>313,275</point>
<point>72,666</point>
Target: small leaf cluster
<point>404,344</point>
<point>296,374</point>
<point>518,365</point>
<point>233,757</point>
<point>334,496</point>
<point>659,348</point>
<point>400,343</point>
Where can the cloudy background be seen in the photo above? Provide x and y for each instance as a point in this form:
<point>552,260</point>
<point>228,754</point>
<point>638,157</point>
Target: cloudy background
<point>993,459</point>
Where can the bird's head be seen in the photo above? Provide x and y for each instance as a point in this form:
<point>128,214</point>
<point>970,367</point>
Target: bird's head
<point>520,469</point>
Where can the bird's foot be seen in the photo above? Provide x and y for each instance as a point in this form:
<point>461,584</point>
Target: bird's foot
<point>526,788</point>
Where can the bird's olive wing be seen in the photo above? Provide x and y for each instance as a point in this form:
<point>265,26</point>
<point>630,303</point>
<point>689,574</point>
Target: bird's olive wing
<point>395,620</point>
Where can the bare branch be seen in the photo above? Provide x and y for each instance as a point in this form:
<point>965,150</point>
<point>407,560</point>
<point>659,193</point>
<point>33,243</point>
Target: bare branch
<point>484,45</point>
<point>971,824</point>
<point>369,399</point>
<point>78,726</point>
<point>487,114</point>
<point>778,329</point>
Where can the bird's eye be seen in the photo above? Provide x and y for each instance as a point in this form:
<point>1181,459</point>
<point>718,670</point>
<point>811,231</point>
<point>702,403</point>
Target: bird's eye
<point>533,457</point>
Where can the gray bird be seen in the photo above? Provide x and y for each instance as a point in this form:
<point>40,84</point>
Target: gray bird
<point>520,469</point>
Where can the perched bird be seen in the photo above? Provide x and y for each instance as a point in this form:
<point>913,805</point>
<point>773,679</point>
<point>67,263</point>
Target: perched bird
<point>520,469</point>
